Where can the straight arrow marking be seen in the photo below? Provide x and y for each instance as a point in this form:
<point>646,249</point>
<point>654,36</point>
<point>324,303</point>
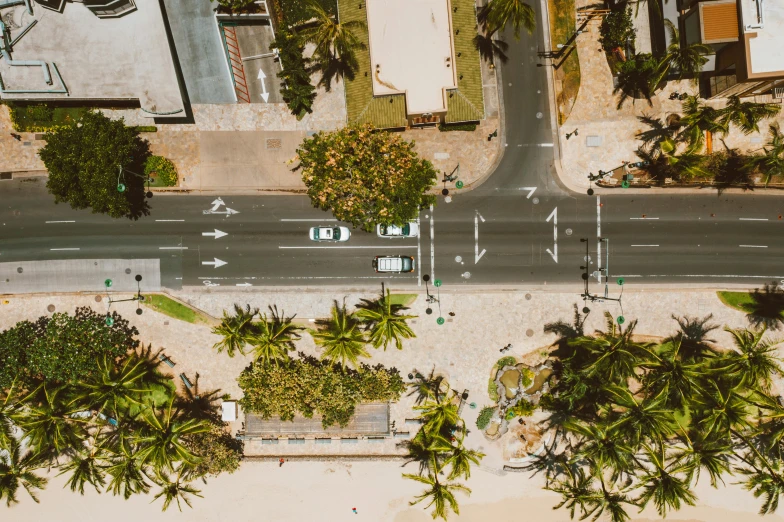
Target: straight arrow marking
<point>264,93</point>
<point>217,234</point>
<point>477,255</point>
<point>216,263</point>
<point>530,190</point>
<point>554,216</point>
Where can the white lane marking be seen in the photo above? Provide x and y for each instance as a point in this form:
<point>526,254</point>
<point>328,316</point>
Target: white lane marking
<point>217,234</point>
<point>644,218</point>
<point>709,275</point>
<point>169,220</point>
<point>347,246</point>
<point>536,145</point>
<point>308,219</point>
<point>752,219</point>
<point>172,248</point>
<point>419,253</point>
<point>598,241</point>
<point>432,246</point>
<point>309,277</point>
<point>61,221</point>
<point>554,216</point>
<point>216,263</point>
<point>753,246</point>
<point>477,254</point>
<point>243,284</point>
<point>530,190</point>
<point>645,245</point>
<point>63,249</point>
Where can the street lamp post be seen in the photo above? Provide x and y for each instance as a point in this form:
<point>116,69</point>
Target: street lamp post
<point>587,295</point>
<point>592,178</point>
<point>138,298</point>
<point>121,186</point>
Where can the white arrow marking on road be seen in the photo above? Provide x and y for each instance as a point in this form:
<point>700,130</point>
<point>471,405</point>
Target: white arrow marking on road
<point>217,263</point>
<point>554,216</point>
<point>264,93</point>
<point>216,204</point>
<point>530,190</point>
<point>217,234</point>
<point>477,255</point>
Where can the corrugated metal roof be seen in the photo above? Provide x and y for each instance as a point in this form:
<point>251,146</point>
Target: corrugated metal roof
<point>719,21</point>
<point>467,102</point>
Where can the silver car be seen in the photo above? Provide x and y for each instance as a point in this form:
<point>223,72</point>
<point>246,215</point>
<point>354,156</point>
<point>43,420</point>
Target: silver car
<point>408,230</point>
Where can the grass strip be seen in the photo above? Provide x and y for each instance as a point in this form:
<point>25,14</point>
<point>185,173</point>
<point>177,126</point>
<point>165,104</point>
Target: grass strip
<point>562,28</point>
<point>740,301</point>
<point>176,310</point>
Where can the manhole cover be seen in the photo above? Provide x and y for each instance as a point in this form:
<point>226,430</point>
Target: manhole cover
<point>527,297</point>
<point>458,259</point>
<point>568,231</point>
<point>587,258</point>
<point>466,275</point>
<point>539,115</point>
<point>19,270</point>
<point>535,201</point>
<point>50,308</point>
<point>98,298</point>
<point>529,333</point>
<point>273,143</point>
<point>127,270</point>
<point>448,199</point>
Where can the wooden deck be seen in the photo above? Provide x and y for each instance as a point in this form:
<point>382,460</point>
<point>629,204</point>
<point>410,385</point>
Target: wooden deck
<point>368,419</point>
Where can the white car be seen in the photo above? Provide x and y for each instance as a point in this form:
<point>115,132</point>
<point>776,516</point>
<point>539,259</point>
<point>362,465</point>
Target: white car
<point>395,264</point>
<point>330,234</point>
<point>408,230</point>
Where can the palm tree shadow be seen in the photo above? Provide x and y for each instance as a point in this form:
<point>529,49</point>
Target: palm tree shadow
<point>765,310</point>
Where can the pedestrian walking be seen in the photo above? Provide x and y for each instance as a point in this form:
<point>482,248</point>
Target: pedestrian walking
<point>280,465</point>
<point>354,510</point>
<point>451,314</point>
<point>17,137</point>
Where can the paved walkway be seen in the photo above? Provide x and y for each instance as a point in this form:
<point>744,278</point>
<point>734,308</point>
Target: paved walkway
<point>463,350</point>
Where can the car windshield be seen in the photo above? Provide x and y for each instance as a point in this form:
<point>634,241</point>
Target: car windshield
<point>383,229</point>
<point>406,229</point>
<point>406,263</point>
<point>335,233</point>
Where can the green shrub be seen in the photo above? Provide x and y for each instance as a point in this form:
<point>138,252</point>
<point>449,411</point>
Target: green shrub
<point>484,417</point>
<point>164,168</point>
<point>521,409</point>
<point>145,128</point>
<point>42,117</point>
<point>505,361</point>
<point>617,27</point>
<point>40,112</point>
<point>528,378</point>
<point>446,127</point>
<point>492,390</point>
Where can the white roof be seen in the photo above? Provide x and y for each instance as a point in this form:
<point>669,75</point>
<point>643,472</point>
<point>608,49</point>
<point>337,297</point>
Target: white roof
<point>765,49</point>
<point>229,411</point>
<point>411,51</point>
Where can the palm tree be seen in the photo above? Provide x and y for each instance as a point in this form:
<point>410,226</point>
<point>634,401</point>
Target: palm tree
<point>687,164</point>
<point>112,388</point>
<point>700,453</point>
<point>427,387</point>
<point>489,47</point>
<point>693,337</point>
<point>565,330</point>
<point>665,485</point>
<point>756,361</point>
<point>10,404</point>
<point>576,490</point>
<point>461,461</point>
<point>441,496</point>
<point>86,467</point>
<point>48,424</point>
<point>640,419</point>
<point>341,337</point>
<point>659,132</point>
<point>765,480</point>
<point>428,449</point>
<point>638,77</point>
<point>722,410</point>
<point>160,437</point>
<point>686,60</point>
<point>193,404</point>
<point>698,120</point>
<point>601,446</point>
<point>235,330</point>
<point>274,337</point>
<point>747,115</point>
<point>612,355</point>
<point>383,321</point>
<point>336,44</point>
<point>127,472</point>
<point>498,13</point>
<point>17,470</point>
<point>772,162</point>
<point>437,414</point>
<point>670,377</point>
<point>175,487</point>
<point>767,307</point>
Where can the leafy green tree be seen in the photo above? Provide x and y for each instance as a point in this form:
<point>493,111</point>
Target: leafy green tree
<point>747,115</point>
<point>297,91</point>
<point>84,161</point>
<point>440,495</point>
<point>767,307</point>
<point>234,5</point>
<point>771,163</point>
<point>341,337</point>
<point>383,321</point>
<point>685,60</point>
<point>336,44</point>
<point>235,329</point>
<point>617,29</point>
<point>17,470</point>
<point>500,13</point>
<point>638,77</point>
<point>699,119</point>
<point>366,177</point>
<point>273,337</point>
<point>219,452</point>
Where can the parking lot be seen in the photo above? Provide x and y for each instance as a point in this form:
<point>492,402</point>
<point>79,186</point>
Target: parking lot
<point>254,44</point>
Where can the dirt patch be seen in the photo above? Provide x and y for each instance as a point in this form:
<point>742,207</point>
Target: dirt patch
<point>567,62</point>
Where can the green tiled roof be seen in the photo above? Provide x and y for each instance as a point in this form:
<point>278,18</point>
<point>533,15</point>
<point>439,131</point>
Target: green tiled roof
<point>463,104</point>
<point>362,107</point>
<point>466,103</point>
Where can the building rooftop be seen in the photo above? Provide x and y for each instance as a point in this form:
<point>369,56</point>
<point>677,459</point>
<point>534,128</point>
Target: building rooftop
<point>125,58</point>
<point>411,51</point>
<point>762,22</point>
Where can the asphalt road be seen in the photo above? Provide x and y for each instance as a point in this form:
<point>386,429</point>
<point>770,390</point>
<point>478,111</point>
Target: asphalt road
<point>499,233</point>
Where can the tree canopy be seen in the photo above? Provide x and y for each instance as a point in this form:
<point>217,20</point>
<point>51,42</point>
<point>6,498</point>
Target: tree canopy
<point>84,162</point>
<point>366,177</point>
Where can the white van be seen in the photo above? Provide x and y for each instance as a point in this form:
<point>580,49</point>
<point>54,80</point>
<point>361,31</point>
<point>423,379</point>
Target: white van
<point>395,264</point>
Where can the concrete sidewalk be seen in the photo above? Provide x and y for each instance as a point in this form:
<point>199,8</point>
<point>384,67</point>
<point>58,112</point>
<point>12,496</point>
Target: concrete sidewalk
<point>464,349</point>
